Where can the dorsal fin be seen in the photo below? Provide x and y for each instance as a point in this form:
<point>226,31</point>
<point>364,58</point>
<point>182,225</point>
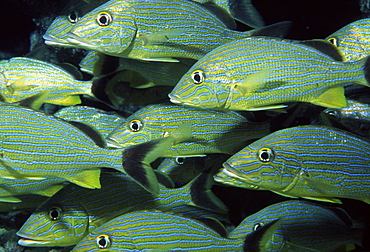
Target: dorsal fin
<point>92,133</point>
<point>279,30</point>
<point>324,47</point>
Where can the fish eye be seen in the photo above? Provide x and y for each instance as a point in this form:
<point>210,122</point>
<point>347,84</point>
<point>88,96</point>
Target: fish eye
<point>104,19</point>
<point>334,41</point>
<point>103,241</point>
<point>180,160</point>
<point>332,113</point>
<point>266,155</point>
<point>135,125</point>
<point>257,226</point>
<point>55,213</point>
<point>197,76</point>
<point>73,17</point>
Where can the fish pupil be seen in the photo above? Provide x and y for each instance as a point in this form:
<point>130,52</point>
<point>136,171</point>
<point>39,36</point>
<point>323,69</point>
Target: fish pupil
<point>257,226</point>
<point>55,213</point>
<point>198,77</point>
<point>73,17</point>
<point>266,155</point>
<point>180,160</point>
<point>135,125</point>
<point>103,241</point>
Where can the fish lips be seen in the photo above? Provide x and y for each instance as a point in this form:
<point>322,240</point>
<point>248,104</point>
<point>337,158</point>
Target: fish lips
<point>238,175</point>
<point>29,241</point>
<point>49,40</point>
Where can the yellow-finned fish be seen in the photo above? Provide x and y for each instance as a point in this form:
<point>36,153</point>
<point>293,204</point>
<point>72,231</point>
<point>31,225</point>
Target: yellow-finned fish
<point>22,77</point>
<point>312,162</point>
<point>260,73</point>
<point>157,30</point>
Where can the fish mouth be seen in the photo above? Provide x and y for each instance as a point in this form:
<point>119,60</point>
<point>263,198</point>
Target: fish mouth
<point>174,99</point>
<point>54,41</point>
<point>78,41</point>
<point>234,173</point>
<point>29,241</point>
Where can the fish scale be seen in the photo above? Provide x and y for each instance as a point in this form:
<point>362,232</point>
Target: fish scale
<point>264,73</point>
<point>153,30</point>
<point>22,77</point>
<point>314,162</point>
<point>33,144</point>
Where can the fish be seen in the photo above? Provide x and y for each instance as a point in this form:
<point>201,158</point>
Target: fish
<point>157,30</point>
<point>243,11</point>
<point>65,218</point>
<point>301,223</point>
<point>162,231</point>
<point>104,122</point>
<point>11,189</point>
<point>22,77</point>
<point>355,117</point>
<point>213,131</point>
<point>352,40</point>
<point>140,74</point>
<point>312,162</point>
<point>261,73</point>
<point>46,146</point>
<point>55,34</point>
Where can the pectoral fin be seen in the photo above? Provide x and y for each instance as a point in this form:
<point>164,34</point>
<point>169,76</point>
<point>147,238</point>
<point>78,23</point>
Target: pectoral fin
<point>254,82</point>
<point>160,37</point>
<point>161,59</point>
<point>21,84</point>
<point>325,199</point>
<point>70,100</point>
<point>10,199</point>
<point>86,178</point>
<point>332,98</point>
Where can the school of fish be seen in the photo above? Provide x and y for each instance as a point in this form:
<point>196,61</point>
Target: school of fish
<point>201,136</point>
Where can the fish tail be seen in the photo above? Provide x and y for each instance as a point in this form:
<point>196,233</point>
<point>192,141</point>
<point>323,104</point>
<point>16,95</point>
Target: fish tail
<point>257,240</point>
<point>136,159</point>
<point>202,195</point>
<point>367,71</point>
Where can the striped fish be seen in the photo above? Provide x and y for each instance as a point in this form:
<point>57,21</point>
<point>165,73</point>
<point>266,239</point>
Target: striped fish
<point>312,162</point>
<point>213,131</point>
<point>161,231</point>
<point>304,226</point>
<point>103,121</point>
<point>353,40</point>
<point>55,35</point>
<point>157,30</point>
<point>73,212</point>
<point>355,117</point>
<point>22,77</point>
<point>10,189</point>
<point>35,145</point>
<point>140,74</point>
<point>260,73</point>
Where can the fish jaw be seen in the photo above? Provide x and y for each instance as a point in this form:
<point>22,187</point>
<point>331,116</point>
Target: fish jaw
<point>49,40</point>
<point>231,176</point>
<point>32,241</point>
<point>77,41</point>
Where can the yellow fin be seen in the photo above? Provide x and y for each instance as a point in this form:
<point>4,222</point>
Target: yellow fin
<point>254,82</point>
<point>160,37</point>
<point>325,199</point>
<point>69,100</point>
<point>277,108</point>
<point>161,59</point>
<point>319,185</point>
<point>332,98</point>
<point>87,178</point>
<point>285,195</point>
<point>10,199</point>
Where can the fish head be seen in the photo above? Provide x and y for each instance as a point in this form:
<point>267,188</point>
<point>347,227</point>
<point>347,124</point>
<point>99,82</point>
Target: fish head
<point>109,29</point>
<point>55,225</point>
<point>257,167</point>
<point>142,126</point>
<point>56,34</point>
<point>206,85</point>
